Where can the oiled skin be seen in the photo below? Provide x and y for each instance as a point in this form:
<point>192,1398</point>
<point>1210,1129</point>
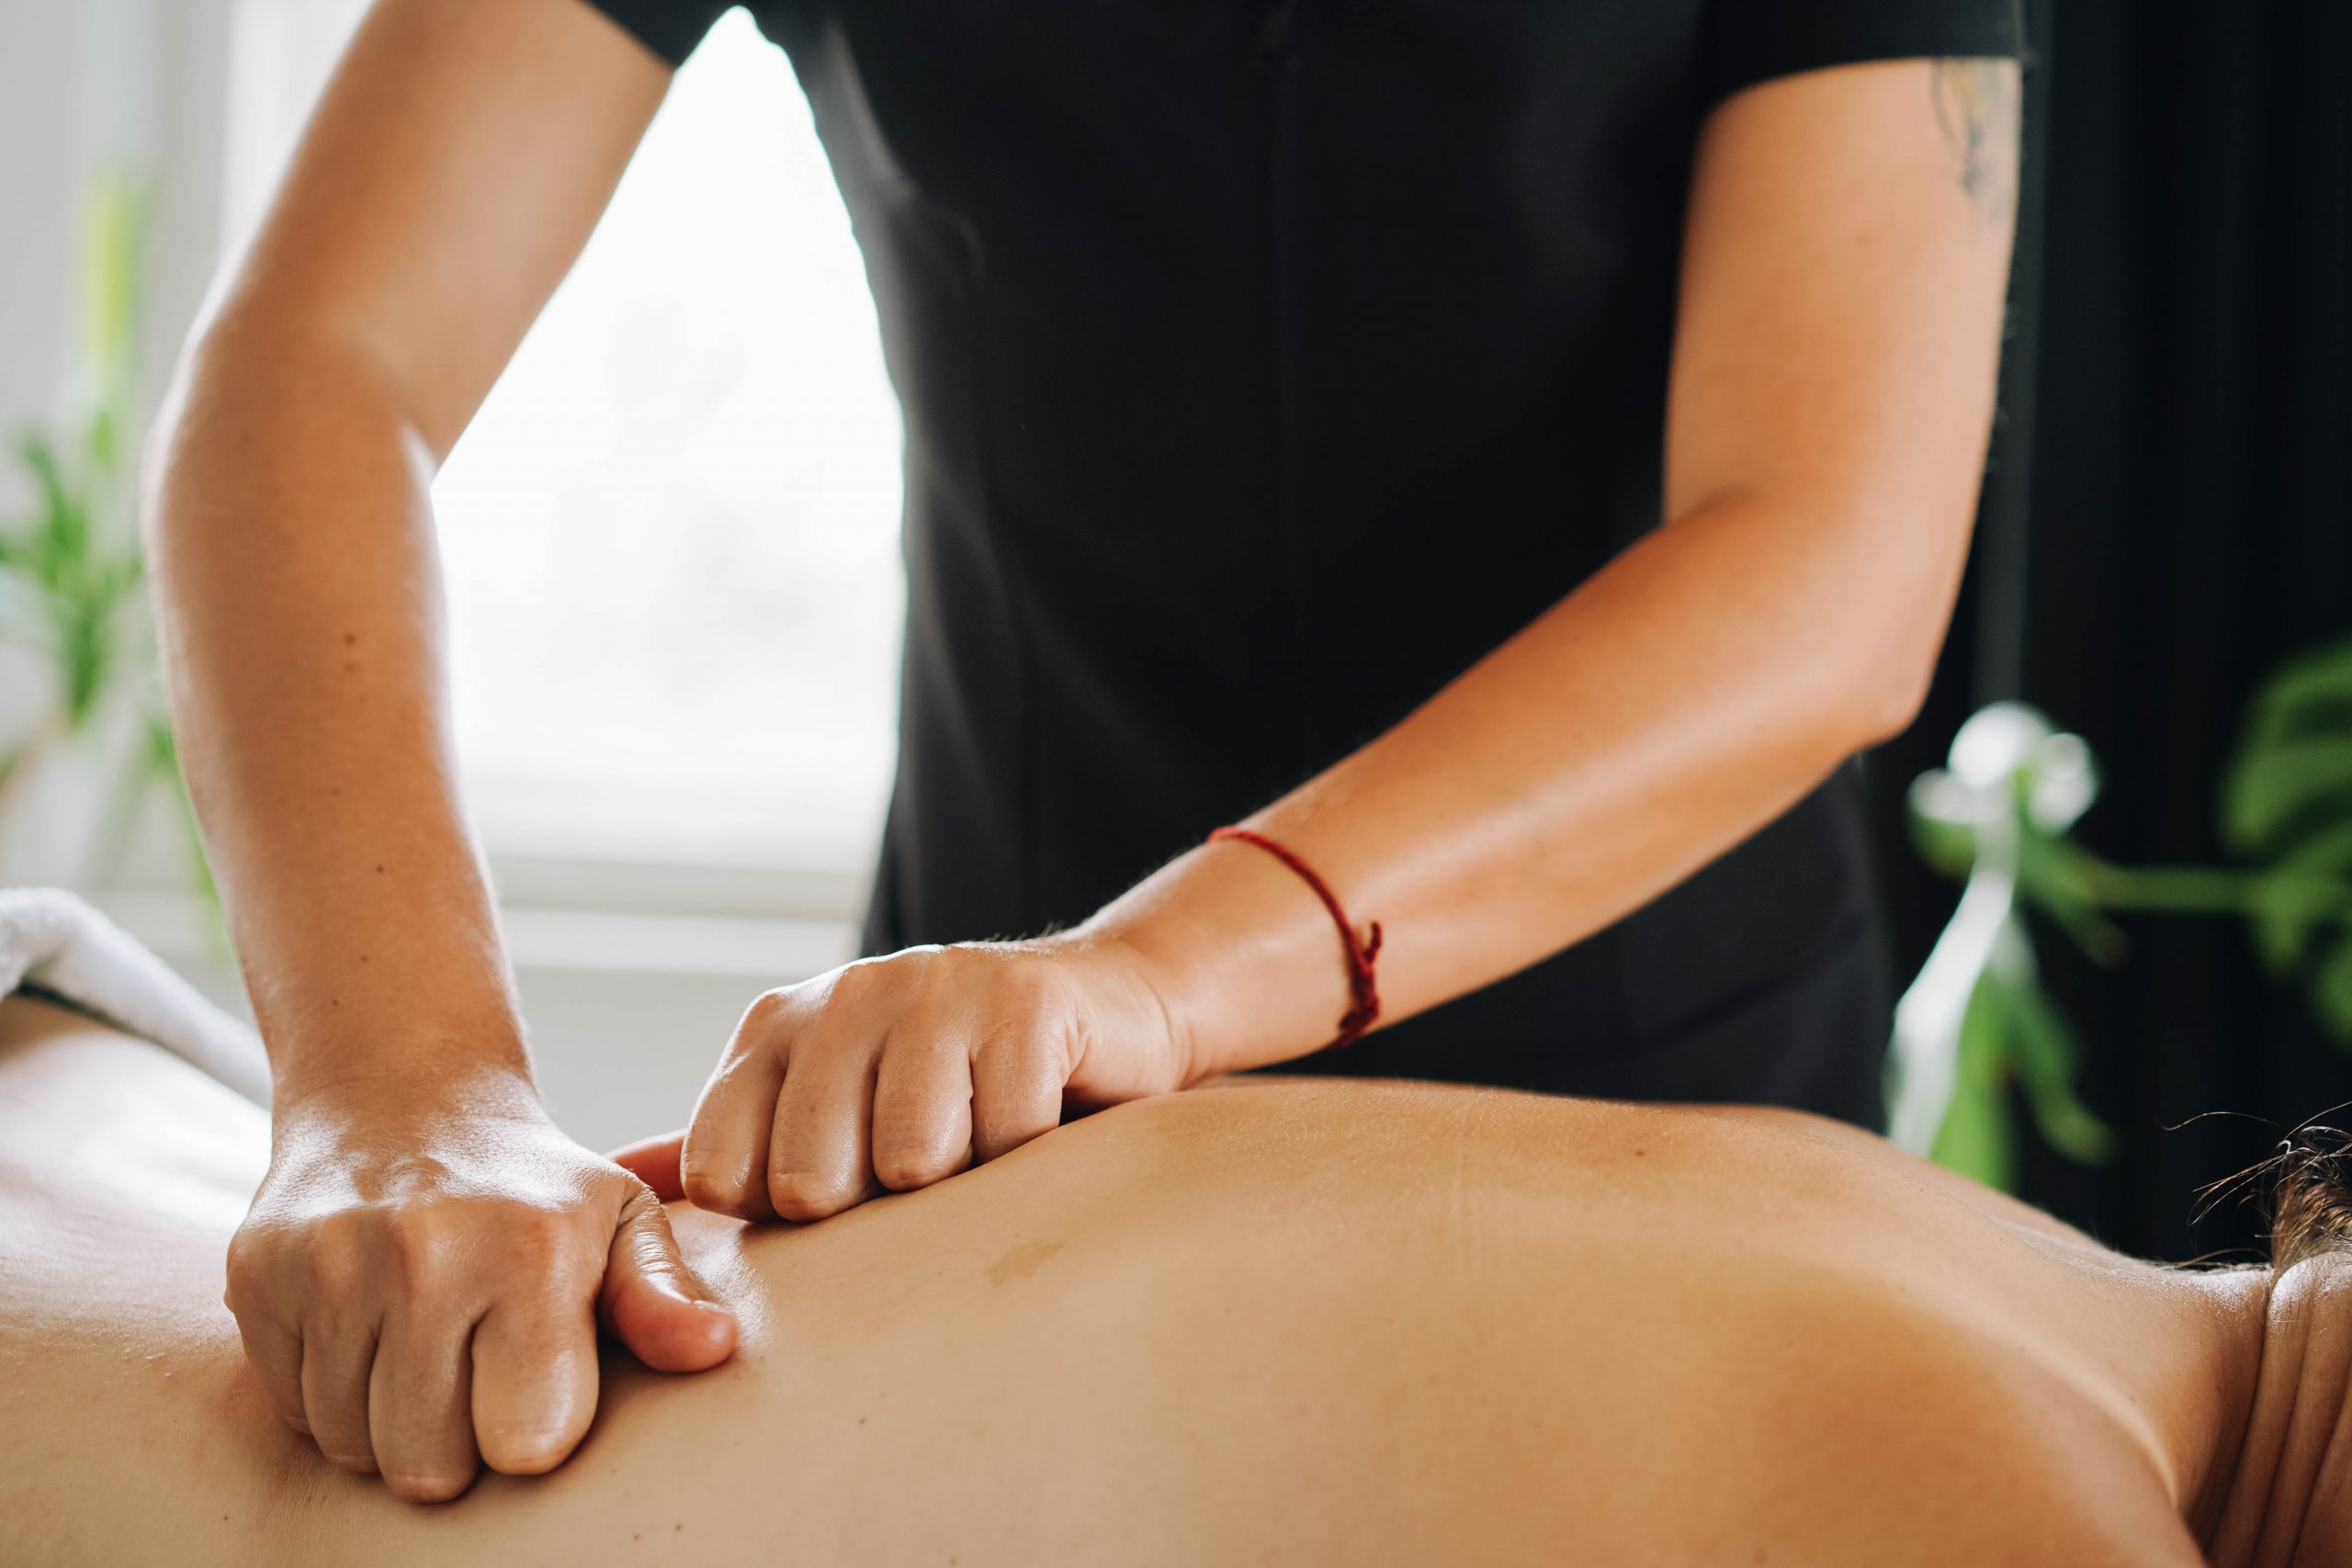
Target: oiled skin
<point>1307,1322</point>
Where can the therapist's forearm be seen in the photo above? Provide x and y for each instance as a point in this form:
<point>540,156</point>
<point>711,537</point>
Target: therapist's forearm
<point>1835,345</point>
<point>298,587</point>
<point>1678,701</point>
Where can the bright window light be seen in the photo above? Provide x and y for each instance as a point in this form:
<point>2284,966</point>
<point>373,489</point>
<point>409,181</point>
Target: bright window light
<point>671,534</point>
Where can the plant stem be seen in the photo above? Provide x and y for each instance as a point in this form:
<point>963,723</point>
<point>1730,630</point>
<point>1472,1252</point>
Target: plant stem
<point>2200,889</point>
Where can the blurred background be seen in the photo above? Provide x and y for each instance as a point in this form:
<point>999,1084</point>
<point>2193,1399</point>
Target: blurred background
<point>671,542</point>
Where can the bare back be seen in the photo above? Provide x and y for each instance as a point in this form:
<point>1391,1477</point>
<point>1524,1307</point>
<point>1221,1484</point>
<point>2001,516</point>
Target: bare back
<point>1307,1321</point>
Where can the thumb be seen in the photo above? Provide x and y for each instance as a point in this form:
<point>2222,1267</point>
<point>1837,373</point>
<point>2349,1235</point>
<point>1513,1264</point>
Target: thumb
<point>655,1161</point>
<point>652,1303</point>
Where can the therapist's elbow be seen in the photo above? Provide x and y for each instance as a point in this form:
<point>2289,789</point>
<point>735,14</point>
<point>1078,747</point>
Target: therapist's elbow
<point>1889,668</point>
<point>1889,698</point>
<point>1886,601</point>
<point>204,422</point>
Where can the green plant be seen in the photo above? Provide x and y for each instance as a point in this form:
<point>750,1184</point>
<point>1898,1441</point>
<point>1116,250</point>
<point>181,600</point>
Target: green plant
<point>1977,1024</point>
<point>71,574</point>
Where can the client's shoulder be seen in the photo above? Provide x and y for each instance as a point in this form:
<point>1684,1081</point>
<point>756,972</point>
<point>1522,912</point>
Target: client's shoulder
<point>1915,1435</point>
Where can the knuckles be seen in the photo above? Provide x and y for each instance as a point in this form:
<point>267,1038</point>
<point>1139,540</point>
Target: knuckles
<point>903,1169</point>
<point>705,1190</point>
<point>713,1181</point>
<point>770,1012</point>
<point>1028,988</point>
<point>342,1254</point>
<point>987,988</point>
<point>1013,1006</point>
<point>916,1144</point>
<point>537,1241</point>
<point>334,1244</point>
<point>414,1248</point>
<point>253,1268</point>
<point>802,1195</point>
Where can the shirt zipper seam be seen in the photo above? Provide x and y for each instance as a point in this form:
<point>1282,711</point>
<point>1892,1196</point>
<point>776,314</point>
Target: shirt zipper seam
<point>1278,54</point>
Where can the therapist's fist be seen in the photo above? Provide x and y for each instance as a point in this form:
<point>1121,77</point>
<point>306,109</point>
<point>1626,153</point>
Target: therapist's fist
<point>894,1073</point>
<point>420,1279</point>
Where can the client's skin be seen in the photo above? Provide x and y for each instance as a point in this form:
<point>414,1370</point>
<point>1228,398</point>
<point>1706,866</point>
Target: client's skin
<point>1308,1322</point>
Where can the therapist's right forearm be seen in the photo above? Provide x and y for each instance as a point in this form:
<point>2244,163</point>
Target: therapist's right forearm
<point>295,579</point>
<point>420,1278</point>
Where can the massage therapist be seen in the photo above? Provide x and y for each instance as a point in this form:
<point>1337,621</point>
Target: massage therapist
<point>1504,458</point>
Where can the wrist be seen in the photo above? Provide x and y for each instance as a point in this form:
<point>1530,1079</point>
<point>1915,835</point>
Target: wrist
<point>1224,981</point>
<point>1244,954</point>
<point>478,1073</point>
<point>1142,969</point>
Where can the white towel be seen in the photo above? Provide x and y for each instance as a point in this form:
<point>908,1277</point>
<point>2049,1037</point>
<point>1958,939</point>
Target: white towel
<point>51,941</point>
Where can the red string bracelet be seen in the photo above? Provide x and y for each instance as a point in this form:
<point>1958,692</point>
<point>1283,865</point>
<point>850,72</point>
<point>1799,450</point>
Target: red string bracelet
<point>1361,956</point>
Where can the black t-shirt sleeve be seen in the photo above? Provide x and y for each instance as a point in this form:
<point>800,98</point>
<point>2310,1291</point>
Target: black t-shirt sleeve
<point>670,28</point>
<point>1752,40</point>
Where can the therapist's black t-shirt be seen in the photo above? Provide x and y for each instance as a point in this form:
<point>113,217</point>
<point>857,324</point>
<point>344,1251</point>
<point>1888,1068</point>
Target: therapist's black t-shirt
<point>1264,364</point>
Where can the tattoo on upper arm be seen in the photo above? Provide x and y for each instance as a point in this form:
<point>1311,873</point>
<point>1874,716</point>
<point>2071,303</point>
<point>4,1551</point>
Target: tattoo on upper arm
<point>1977,108</point>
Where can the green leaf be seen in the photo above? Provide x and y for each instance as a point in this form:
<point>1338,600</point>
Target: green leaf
<point>114,242</point>
<point>2274,789</point>
<point>1978,1137</point>
<point>2316,688</point>
<point>124,575</point>
<point>88,654</point>
<point>102,440</point>
<point>162,751</point>
<point>2304,890</point>
<point>2053,876</point>
<point>1947,846</point>
<point>61,530</point>
<point>2047,1053</point>
<point>2332,992</point>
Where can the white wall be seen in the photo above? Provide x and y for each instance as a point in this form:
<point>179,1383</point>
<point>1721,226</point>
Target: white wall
<point>37,189</point>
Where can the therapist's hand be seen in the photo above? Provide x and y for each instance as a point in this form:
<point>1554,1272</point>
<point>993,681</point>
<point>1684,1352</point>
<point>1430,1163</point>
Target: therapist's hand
<point>896,1072</point>
<point>420,1277</point>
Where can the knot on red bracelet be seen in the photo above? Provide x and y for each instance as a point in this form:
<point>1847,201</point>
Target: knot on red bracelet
<point>1362,984</point>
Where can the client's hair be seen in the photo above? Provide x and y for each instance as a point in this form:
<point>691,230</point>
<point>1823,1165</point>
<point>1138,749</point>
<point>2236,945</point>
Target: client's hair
<point>2311,1196</point>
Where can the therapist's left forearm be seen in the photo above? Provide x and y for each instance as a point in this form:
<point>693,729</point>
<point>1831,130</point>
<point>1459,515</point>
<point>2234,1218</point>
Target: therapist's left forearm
<point>1836,349</point>
<point>1682,699</point>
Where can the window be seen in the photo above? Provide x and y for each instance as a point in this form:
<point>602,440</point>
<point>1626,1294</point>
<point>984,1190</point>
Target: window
<point>671,536</point>
<point>670,544</point>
